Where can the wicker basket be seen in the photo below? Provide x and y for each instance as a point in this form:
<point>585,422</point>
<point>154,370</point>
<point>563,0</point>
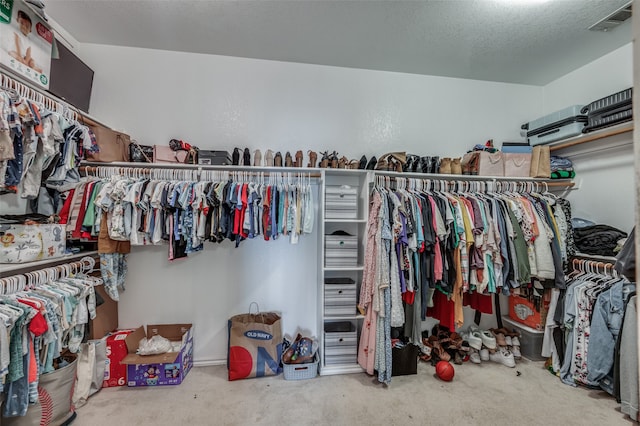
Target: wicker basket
<point>301,371</point>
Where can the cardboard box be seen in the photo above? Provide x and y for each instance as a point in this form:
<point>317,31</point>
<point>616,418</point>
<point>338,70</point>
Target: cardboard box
<point>106,319</point>
<point>115,374</point>
<point>525,312</point>
<point>165,369</point>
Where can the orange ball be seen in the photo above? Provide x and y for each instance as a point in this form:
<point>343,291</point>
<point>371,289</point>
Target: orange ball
<point>445,371</point>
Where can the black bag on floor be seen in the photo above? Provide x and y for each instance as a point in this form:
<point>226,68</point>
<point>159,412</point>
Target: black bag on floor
<point>404,361</point>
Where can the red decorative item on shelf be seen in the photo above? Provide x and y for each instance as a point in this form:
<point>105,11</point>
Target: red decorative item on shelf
<point>445,371</point>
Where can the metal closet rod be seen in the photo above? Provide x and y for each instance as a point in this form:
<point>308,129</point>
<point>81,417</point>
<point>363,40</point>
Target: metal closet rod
<point>23,86</point>
<point>145,168</point>
<point>564,183</point>
<point>19,282</point>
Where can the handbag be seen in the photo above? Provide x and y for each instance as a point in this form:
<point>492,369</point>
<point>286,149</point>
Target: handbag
<point>112,145</point>
<point>490,164</point>
<point>164,154</point>
<point>255,345</point>
<point>540,162</point>
<point>517,164</point>
<point>140,153</point>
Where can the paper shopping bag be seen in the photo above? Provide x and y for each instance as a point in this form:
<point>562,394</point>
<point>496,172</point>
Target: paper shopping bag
<point>255,345</point>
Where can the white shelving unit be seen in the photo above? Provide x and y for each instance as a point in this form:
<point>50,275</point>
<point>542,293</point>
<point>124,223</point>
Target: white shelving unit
<point>339,349</point>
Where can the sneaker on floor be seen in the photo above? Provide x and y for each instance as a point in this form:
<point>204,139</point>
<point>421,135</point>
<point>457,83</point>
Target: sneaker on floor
<point>488,339</point>
<point>515,341</point>
<point>474,357</point>
<point>504,357</point>
<point>508,340</point>
<point>484,354</point>
<point>515,350</point>
<point>474,338</point>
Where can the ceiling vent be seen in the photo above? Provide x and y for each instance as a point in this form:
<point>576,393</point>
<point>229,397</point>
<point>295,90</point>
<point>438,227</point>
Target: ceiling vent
<point>616,18</point>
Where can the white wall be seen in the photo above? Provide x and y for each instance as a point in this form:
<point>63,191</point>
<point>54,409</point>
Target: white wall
<point>223,102</point>
<point>604,177</point>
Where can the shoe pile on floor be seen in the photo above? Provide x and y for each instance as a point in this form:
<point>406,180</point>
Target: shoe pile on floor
<point>497,345</point>
<point>475,345</point>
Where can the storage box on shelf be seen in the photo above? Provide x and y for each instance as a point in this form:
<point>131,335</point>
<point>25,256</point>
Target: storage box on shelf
<point>339,296</point>
<point>340,343</point>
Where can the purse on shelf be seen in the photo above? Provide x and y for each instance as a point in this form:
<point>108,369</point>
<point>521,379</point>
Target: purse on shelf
<point>490,164</point>
<point>164,154</point>
<point>140,153</point>
<point>517,164</point>
<point>112,145</point>
<point>540,162</point>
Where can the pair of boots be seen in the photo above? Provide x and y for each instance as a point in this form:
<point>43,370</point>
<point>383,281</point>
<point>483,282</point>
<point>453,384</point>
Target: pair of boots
<point>246,157</point>
<point>417,164</point>
<point>450,166</point>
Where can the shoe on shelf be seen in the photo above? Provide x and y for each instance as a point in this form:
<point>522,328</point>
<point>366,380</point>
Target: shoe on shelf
<point>488,340</point>
<point>299,158</point>
<point>257,158</point>
<point>363,163</point>
<point>484,354</point>
<point>288,161</point>
<point>333,160</point>
<point>445,166</point>
<point>456,166</point>
<point>277,160</point>
<point>371,165</point>
<point>503,356</point>
<point>268,158</point>
<point>246,157</point>
<point>324,162</point>
<point>313,157</point>
<point>235,157</point>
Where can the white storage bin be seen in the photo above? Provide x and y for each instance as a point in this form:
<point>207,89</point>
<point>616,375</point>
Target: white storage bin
<point>339,299</point>
<point>341,202</point>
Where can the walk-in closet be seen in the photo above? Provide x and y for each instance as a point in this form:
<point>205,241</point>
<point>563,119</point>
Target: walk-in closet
<point>318,212</point>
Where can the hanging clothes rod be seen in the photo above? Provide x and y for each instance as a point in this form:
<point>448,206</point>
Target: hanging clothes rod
<point>38,95</point>
<point>26,280</point>
<point>594,266</point>
<point>146,168</point>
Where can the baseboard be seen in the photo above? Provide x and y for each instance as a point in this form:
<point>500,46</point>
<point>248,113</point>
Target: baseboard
<point>209,362</point>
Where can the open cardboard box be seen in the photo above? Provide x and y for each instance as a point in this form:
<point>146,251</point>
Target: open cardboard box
<point>164,369</point>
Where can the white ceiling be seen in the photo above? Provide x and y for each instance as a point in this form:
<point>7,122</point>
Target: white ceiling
<point>515,41</point>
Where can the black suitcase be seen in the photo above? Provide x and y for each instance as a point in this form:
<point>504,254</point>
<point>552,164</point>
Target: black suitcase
<point>608,111</point>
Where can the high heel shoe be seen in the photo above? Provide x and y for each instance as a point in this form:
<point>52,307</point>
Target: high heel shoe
<point>371,165</point>
<point>235,158</point>
<point>277,160</point>
<point>363,163</point>
<point>268,158</point>
<point>334,160</point>
<point>246,157</point>
<point>324,162</point>
<point>313,157</point>
<point>257,158</point>
<point>299,158</point>
<point>288,161</point>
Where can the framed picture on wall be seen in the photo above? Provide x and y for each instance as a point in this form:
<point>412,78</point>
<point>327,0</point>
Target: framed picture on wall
<point>25,42</point>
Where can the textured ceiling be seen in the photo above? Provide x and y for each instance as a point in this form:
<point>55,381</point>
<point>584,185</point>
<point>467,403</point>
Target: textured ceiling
<point>516,41</point>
